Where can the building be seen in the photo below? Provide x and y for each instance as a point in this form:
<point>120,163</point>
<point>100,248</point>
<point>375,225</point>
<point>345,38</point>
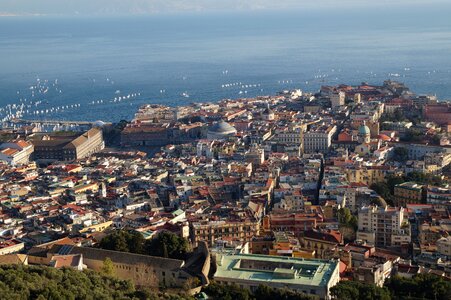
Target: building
<point>16,152</point>
<point>439,113</point>
<point>364,136</point>
<point>210,231</point>
<point>309,276</point>
<point>48,148</point>
<point>365,174</point>
<point>383,226</point>
<point>11,246</point>
<point>319,139</point>
<point>444,246</point>
<point>438,195</point>
<point>268,114</point>
<point>373,272</point>
<point>292,222</point>
<point>337,99</point>
<point>281,244</point>
<point>137,134</point>
<point>409,193</point>
<point>143,270</point>
<point>220,131</point>
<point>255,155</point>
<point>324,243</point>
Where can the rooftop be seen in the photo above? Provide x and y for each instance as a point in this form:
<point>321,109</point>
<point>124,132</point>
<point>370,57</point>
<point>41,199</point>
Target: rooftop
<point>284,270</point>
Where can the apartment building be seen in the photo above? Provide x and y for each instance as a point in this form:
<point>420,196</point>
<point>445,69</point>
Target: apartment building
<point>383,226</point>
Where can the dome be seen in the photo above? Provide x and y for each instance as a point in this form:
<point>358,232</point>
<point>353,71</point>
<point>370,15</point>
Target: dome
<point>220,130</point>
<point>222,127</point>
<point>98,123</point>
<point>364,130</point>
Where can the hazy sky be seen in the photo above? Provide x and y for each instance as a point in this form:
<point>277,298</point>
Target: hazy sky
<point>97,7</point>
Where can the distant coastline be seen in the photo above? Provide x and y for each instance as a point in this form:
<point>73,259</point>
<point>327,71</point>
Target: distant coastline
<point>10,15</point>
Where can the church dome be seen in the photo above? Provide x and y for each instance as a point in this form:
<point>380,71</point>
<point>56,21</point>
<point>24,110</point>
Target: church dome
<point>220,130</point>
<point>364,130</point>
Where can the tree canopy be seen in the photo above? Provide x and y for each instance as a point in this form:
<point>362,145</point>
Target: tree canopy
<point>165,244</point>
<point>234,292</point>
<point>346,218</point>
<point>45,283</point>
<point>355,290</point>
<point>33,282</point>
<point>421,286</point>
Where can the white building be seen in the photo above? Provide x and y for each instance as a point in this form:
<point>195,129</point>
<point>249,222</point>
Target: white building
<point>444,246</point>
<point>16,152</point>
<point>337,99</point>
<point>319,139</point>
<point>309,276</point>
<point>383,227</point>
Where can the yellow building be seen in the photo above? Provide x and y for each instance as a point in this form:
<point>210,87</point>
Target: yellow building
<point>365,175</point>
<point>11,246</point>
<point>324,243</point>
<point>210,231</point>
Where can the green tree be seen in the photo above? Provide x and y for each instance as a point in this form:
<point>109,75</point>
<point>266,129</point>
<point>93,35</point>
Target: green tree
<point>39,282</point>
<point>346,218</point>
<point>124,241</point>
<point>167,244</point>
<point>421,286</point>
<point>401,154</point>
<point>356,290</point>
<point>107,267</point>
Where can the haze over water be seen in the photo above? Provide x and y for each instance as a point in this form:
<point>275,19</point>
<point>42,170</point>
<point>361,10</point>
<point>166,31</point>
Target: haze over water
<point>163,57</point>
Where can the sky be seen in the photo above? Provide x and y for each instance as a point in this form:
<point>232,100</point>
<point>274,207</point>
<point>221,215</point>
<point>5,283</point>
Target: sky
<point>112,7</point>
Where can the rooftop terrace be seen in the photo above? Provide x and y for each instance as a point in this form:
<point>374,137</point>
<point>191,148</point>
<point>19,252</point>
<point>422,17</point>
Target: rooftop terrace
<point>285,270</point>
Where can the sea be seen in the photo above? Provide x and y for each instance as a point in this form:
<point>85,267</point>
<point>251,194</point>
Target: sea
<point>103,68</point>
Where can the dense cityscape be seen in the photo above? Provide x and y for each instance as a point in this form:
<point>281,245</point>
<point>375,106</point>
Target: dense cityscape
<point>335,194</point>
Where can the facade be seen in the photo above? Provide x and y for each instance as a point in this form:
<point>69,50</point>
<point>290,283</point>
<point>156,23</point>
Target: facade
<point>11,246</point>
<point>444,246</point>
<point>409,193</point>
<point>211,231</point>
<point>439,113</point>
<point>324,243</point>
<point>366,175</point>
<point>143,270</point>
<point>319,139</point>
<point>293,222</point>
<point>289,136</point>
<point>337,99</point>
<point>68,148</point>
<point>309,276</point>
<point>438,195</point>
<point>16,152</point>
<point>145,135</point>
<point>383,227</point>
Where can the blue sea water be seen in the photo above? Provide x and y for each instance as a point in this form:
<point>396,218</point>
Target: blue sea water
<point>88,59</point>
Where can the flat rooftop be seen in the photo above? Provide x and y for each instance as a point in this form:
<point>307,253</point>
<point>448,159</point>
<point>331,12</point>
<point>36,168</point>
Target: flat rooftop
<point>266,268</point>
